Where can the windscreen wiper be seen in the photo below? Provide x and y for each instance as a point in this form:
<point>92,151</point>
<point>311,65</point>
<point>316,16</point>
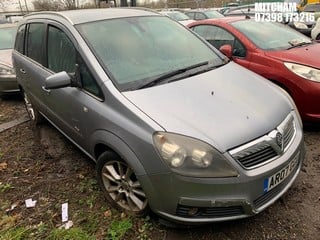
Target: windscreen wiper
<point>300,44</point>
<point>167,75</point>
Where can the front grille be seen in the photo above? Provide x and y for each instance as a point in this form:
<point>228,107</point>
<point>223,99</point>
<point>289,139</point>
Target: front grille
<point>266,148</point>
<point>209,212</point>
<point>288,133</point>
<point>260,201</point>
<point>252,158</point>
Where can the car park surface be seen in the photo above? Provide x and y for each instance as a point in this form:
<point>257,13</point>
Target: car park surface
<point>175,159</point>
<point>274,51</point>
<point>8,83</point>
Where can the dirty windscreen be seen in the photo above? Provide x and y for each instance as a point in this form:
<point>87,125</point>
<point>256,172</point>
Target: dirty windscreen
<point>133,50</point>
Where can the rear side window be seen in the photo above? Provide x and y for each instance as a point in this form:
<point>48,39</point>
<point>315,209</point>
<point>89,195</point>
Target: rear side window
<point>19,45</point>
<point>35,42</point>
<point>61,52</point>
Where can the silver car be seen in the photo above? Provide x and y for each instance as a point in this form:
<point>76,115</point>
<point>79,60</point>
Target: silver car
<point>8,82</point>
<point>174,128</point>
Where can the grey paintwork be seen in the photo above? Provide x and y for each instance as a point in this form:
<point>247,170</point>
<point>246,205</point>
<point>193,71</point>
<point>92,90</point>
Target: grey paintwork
<point>222,99</point>
<point>225,107</point>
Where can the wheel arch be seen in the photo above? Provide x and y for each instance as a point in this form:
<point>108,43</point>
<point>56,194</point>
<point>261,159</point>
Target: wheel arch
<point>103,141</point>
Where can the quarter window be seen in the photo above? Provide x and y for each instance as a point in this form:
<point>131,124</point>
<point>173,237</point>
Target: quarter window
<point>35,42</point>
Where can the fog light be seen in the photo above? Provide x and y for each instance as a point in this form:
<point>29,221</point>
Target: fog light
<point>193,211</point>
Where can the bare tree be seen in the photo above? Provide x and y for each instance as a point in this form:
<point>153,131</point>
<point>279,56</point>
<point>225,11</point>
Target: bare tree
<point>53,5</point>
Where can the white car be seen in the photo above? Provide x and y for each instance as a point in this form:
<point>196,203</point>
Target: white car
<point>315,32</point>
<point>178,16</point>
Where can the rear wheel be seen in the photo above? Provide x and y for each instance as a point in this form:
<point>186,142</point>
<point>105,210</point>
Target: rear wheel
<point>33,113</point>
<point>120,185</point>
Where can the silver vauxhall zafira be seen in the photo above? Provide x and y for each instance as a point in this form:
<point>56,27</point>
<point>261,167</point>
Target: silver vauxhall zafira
<point>173,125</point>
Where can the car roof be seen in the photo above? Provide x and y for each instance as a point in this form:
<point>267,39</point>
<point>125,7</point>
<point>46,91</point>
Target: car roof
<point>91,15</point>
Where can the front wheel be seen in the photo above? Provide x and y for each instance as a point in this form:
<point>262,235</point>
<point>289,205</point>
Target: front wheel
<point>120,185</point>
<point>318,37</point>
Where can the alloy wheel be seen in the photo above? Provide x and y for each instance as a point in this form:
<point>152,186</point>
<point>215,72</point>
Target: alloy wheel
<point>123,187</point>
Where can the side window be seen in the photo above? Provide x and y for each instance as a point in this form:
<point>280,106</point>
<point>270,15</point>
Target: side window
<point>61,52</point>
<point>20,39</point>
<point>62,56</point>
<point>190,15</point>
<point>218,37</point>
<point>35,42</point>
<point>199,16</point>
<point>238,49</point>
<point>201,30</point>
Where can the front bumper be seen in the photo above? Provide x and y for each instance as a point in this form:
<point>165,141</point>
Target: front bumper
<point>8,84</point>
<point>201,200</point>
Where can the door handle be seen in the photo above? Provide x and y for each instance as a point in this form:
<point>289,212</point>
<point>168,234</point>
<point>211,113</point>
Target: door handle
<point>46,90</point>
<point>23,71</point>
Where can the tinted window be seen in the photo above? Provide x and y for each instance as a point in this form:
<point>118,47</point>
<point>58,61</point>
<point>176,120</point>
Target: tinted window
<point>20,39</point>
<point>138,49</point>
<point>7,36</point>
<point>35,41</point>
<point>61,52</point>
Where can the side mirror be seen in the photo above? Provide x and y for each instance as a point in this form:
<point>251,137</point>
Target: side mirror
<point>226,50</point>
<point>58,80</point>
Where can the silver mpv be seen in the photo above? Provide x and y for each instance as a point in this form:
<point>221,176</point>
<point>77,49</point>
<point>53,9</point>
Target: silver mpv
<point>172,124</point>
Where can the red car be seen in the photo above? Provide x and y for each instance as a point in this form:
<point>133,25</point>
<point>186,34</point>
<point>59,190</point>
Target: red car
<point>273,50</point>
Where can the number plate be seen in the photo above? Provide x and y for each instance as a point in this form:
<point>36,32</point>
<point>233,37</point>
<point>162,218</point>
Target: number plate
<point>280,176</point>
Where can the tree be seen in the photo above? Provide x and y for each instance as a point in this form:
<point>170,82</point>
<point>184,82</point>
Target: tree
<point>53,5</point>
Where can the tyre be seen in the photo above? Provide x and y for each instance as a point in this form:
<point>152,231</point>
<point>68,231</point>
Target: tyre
<point>318,37</point>
<point>33,113</point>
<point>120,185</point>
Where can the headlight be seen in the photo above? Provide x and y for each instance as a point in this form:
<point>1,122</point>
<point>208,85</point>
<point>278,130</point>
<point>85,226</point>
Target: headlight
<point>5,70</point>
<point>306,72</point>
<point>300,25</point>
<point>191,157</point>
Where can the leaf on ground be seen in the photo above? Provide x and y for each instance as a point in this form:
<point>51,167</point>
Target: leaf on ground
<point>3,166</point>
<point>107,213</point>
